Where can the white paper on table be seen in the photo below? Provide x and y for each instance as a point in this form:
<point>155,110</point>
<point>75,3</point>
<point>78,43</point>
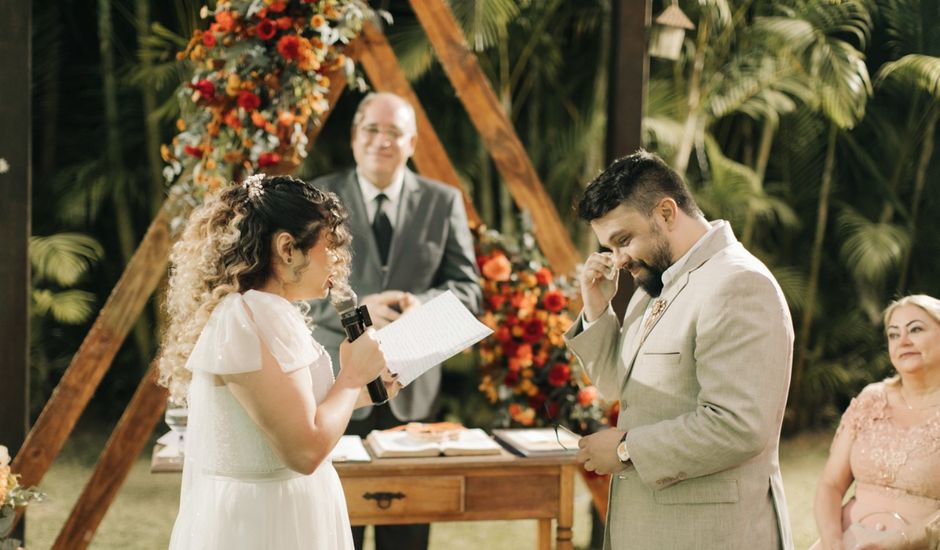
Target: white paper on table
<point>172,447</point>
<point>350,449</point>
<point>429,335</point>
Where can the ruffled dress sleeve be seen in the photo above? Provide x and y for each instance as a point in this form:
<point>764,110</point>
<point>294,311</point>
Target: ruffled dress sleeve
<point>864,409</point>
<point>230,343</point>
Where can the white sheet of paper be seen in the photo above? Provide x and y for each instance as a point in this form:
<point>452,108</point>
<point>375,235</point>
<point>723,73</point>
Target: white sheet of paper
<point>428,335</point>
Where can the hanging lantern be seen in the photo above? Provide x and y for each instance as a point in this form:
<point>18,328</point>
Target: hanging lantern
<point>668,32</point>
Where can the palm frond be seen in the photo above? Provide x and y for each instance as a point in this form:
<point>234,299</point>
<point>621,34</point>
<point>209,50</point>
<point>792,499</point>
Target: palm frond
<point>871,250</point>
<point>913,71</point>
<point>70,307</point>
<point>484,21</point>
<point>63,258</point>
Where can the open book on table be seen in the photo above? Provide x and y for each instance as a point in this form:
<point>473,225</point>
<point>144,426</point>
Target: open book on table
<point>401,443</point>
<point>539,441</point>
<point>350,449</point>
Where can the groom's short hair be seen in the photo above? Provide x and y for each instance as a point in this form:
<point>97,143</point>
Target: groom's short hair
<point>640,181</point>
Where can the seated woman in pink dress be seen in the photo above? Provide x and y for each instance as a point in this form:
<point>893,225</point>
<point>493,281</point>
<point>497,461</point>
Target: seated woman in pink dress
<point>888,443</point>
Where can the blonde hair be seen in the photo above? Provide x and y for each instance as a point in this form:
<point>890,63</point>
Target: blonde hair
<point>929,304</point>
<point>226,247</point>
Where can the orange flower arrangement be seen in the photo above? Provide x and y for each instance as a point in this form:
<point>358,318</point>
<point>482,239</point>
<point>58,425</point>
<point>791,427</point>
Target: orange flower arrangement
<point>259,79</point>
<point>526,369</point>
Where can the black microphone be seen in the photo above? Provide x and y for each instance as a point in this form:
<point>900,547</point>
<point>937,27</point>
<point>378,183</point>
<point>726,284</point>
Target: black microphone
<point>355,320</point>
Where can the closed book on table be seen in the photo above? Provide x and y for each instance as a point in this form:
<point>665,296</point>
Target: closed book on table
<point>539,441</point>
<point>400,444</point>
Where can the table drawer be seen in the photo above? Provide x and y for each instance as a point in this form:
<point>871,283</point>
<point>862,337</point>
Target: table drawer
<point>404,495</point>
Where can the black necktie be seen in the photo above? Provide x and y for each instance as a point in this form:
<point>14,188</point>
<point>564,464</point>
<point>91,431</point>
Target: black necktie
<point>382,228</point>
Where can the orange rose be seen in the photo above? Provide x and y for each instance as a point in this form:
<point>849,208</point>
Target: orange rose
<point>497,268</point>
<point>587,395</point>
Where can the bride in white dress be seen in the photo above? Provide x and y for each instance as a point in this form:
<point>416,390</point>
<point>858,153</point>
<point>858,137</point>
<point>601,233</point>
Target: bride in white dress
<point>264,409</point>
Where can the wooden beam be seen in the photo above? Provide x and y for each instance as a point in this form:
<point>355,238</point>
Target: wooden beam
<point>15,183</point>
<point>629,73</point>
<point>124,446</point>
<point>91,362</point>
<point>15,215</point>
<point>379,62</point>
<point>497,132</point>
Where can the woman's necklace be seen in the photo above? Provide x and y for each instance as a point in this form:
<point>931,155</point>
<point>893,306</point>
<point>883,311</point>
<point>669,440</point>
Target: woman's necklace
<point>920,408</point>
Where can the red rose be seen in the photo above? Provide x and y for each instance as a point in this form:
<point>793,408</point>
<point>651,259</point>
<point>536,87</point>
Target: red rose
<point>193,151</point>
<point>511,378</point>
<point>554,301</point>
<point>284,23</point>
<point>497,301</point>
<point>268,159</point>
<point>289,47</point>
<point>536,401</point>
<point>206,89</point>
<point>248,101</point>
<point>266,29</point>
<point>533,330</point>
<point>208,39</point>
<point>559,375</point>
<point>503,335</point>
<point>587,395</point>
<point>543,276</point>
<point>278,7</point>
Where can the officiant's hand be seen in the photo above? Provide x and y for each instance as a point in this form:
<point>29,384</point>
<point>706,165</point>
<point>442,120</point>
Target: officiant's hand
<point>599,452</point>
<point>598,283</point>
<point>385,307</point>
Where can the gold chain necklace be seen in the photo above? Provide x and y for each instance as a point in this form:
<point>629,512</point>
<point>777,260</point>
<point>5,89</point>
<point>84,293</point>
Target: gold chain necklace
<point>910,408</point>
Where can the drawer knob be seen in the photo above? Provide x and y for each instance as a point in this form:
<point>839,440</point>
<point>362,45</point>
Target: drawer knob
<point>383,500</point>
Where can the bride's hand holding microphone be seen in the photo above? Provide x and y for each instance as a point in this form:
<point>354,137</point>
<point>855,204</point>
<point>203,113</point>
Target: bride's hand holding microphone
<point>598,282</point>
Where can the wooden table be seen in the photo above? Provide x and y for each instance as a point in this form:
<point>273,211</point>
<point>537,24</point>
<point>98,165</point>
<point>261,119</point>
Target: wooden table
<point>425,490</point>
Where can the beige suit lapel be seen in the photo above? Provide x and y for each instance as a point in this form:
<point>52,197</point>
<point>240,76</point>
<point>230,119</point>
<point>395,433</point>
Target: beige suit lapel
<point>632,325</point>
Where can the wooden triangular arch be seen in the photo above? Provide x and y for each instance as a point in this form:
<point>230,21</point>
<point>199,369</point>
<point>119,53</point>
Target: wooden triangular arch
<point>148,265</point>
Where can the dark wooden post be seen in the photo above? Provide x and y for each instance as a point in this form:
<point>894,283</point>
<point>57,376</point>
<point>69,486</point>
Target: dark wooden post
<point>629,72</point>
<point>15,185</point>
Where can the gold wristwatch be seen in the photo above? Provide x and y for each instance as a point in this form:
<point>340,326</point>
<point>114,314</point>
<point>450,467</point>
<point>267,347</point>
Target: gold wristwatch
<point>622,452</point>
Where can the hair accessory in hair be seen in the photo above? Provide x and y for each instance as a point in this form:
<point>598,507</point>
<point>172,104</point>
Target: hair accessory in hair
<point>253,184</point>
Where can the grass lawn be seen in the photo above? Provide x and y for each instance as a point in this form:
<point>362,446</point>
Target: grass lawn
<point>143,513</point>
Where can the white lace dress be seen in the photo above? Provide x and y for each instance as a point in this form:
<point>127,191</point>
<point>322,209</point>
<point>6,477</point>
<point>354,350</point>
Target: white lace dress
<point>236,493</point>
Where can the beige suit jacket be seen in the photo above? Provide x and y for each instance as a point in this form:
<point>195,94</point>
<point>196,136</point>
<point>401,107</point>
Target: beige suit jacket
<point>702,386</point>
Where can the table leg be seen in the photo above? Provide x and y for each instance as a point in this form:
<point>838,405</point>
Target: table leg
<point>565,508</point>
<point>545,534</point>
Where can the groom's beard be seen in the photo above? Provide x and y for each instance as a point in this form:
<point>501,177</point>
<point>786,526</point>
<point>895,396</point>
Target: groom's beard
<point>650,276</point>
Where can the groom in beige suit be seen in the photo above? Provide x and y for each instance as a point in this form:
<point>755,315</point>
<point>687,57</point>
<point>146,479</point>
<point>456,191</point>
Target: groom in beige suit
<point>700,364</point>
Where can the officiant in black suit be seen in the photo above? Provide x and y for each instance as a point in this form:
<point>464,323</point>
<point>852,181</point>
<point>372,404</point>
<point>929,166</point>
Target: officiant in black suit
<point>411,242</point>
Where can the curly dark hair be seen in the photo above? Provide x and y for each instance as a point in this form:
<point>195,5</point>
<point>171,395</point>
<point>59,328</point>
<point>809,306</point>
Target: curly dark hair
<point>226,248</point>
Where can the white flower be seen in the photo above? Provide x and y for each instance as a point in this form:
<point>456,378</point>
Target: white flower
<point>4,453</point>
<point>4,166</point>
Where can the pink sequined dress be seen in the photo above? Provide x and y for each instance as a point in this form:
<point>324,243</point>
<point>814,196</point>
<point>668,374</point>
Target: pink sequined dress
<point>896,468</point>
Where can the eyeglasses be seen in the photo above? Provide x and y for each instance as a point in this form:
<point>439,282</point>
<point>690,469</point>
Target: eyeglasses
<point>371,131</point>
<point>556,426</point>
